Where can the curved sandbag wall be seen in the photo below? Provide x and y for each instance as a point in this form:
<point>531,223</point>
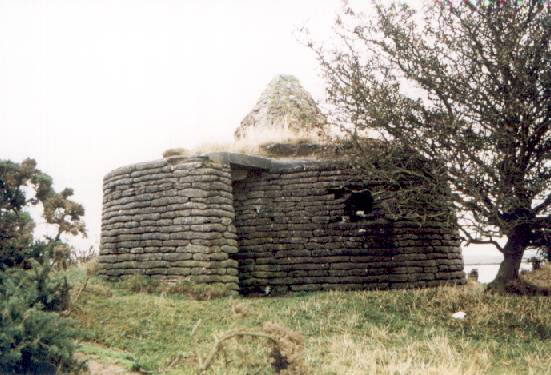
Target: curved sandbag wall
<point>297,232</point>
<point>171,219</point>
<point>267,227</point>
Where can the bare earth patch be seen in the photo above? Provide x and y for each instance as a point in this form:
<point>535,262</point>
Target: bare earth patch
<point>102,360</point>
<point>99,368</point>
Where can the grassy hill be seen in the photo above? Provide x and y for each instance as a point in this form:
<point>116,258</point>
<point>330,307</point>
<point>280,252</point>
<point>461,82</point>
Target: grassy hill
<point>372,332</point>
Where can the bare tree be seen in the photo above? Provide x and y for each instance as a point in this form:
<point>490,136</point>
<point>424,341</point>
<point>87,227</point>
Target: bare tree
<point>466,85</point>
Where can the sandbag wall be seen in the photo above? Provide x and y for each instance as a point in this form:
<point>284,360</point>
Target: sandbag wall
<point>295,233</point>
<point>171,219</point>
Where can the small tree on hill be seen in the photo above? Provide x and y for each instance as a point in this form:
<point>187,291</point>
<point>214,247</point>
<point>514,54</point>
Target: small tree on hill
<point>33,337</point>
<point>467,86</point>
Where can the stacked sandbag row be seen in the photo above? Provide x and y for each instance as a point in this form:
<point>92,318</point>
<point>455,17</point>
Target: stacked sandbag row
<point>295,233</point>
<point>172,219</point>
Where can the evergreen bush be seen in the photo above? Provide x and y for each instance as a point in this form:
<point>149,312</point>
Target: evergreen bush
<point>34,337</point>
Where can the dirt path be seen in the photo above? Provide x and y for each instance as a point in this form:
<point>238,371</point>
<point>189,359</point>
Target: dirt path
<point>100,368</point>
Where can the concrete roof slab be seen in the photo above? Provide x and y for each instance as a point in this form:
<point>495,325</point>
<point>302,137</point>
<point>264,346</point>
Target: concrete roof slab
<point>241,161</point>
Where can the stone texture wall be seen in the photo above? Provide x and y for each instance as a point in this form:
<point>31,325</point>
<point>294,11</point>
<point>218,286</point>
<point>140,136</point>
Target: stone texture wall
<point>263,226</point>
<point>171,218</point>
<point>295,234</point>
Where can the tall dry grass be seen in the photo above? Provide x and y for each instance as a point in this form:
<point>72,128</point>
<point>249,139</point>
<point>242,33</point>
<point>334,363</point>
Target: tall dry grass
<point>374,354</point>
<point>375,332</point>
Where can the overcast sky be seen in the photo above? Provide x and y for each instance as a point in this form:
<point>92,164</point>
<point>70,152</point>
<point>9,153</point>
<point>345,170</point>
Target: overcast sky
<point>87,86</point>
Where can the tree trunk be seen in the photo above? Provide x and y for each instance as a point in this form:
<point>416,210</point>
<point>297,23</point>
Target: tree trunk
<point>513,251</point>
<point>508,270</point>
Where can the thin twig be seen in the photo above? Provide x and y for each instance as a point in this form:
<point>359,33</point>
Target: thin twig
<point>194,329</point>
<point>220,341</point>
<point>68,311</point>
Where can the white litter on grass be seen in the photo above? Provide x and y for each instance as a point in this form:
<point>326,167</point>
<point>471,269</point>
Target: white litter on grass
<point>458,315</point>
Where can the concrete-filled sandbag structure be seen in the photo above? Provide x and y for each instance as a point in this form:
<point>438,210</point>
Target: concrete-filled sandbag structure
<point>272,225</point>
<point>261,225</point>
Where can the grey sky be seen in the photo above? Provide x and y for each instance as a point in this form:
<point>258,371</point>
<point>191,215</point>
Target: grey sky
<point>87,86</point>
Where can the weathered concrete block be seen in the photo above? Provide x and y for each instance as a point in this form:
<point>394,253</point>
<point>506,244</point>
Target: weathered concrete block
<point>288,226</point>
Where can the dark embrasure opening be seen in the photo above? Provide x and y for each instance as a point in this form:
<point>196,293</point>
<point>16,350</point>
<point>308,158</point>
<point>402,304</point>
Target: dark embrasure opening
<point>357,203</point>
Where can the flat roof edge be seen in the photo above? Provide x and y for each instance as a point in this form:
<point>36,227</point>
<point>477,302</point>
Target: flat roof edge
<point>242,161</point>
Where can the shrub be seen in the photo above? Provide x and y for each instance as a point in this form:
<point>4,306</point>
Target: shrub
<point>33,339</point>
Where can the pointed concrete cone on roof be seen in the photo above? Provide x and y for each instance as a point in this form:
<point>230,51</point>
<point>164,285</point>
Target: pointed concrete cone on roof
<point>285,112</point>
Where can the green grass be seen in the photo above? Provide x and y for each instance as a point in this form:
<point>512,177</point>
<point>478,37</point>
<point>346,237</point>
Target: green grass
<point>394,332</point>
